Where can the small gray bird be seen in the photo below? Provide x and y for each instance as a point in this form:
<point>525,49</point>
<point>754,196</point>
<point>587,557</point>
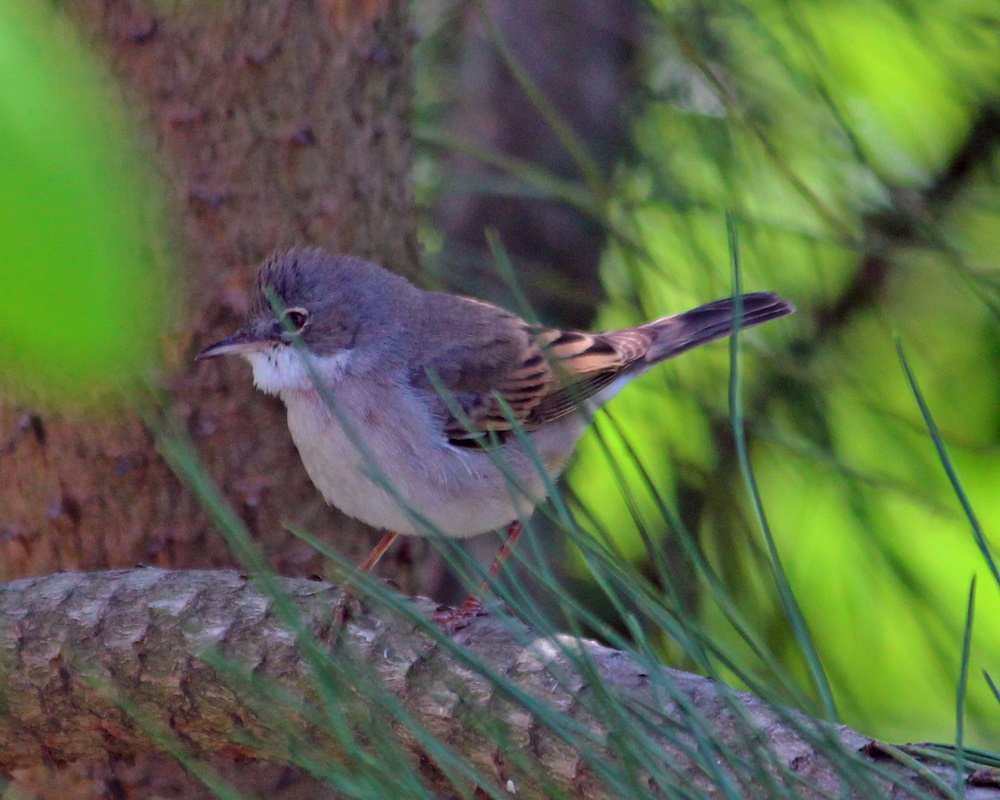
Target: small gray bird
<point>421,412</point>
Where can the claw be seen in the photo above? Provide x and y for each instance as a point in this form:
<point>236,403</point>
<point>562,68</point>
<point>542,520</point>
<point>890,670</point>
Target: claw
<point>454,619</point>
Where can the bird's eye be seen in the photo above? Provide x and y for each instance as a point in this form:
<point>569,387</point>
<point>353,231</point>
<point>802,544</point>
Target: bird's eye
<point>296,318</point>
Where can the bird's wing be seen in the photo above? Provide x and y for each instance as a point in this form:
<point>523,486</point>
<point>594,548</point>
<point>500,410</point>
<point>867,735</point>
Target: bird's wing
<point>582,366</point>
<point>502,371</point>
<point>495,369</point>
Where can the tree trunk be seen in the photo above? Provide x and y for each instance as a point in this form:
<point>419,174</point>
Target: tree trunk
<point>580,55</point>
<point>274,123</point>
<point>271,123</point>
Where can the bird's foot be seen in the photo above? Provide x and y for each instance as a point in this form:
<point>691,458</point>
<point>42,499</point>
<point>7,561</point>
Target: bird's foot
<point>347,606</point>
<point>454,619</point>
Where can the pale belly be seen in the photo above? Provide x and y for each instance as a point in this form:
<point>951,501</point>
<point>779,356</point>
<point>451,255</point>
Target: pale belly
<point>400,478</point>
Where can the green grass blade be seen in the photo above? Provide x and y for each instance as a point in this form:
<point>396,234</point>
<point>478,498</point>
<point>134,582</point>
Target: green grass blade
<point>792,610</point>
<point>992,684</point>
<point>948,465</point>
<point>963,685</point>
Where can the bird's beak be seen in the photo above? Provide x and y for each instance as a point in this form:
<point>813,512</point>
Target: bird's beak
<point>243,341</point>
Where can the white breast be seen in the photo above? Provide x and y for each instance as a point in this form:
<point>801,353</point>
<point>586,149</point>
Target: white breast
<point>377,457</point>
<point>284,369</point>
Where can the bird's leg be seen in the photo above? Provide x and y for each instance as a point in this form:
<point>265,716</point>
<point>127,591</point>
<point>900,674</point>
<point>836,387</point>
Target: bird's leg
<point>377,552</point>
<point>514,531</point>
<point>453,619</point>
<point>348,601</point>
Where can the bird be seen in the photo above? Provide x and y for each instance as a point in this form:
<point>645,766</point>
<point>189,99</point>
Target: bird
<point>426,413</point>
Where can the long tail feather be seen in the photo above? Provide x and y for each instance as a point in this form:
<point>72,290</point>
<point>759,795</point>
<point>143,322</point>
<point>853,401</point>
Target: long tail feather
<point>682,332</point>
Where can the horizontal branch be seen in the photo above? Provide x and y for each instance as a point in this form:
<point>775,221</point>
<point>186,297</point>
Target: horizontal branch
<point>202,662</point>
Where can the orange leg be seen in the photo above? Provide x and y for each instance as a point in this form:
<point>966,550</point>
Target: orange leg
<point>377,552</point>
<point>454,619</point>
<point>348,603</point>
<point>514,531</point>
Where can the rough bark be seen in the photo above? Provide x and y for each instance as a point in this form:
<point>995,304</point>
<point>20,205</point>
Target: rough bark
<point>137,661</point>
<point>272,122</point>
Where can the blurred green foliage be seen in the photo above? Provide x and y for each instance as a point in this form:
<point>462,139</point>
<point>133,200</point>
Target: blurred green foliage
<point>856,146</point>
<point>82,303</point>
<point>841,136</point>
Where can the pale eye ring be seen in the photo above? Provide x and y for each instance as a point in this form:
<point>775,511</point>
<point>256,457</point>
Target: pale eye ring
<point>295,318</point>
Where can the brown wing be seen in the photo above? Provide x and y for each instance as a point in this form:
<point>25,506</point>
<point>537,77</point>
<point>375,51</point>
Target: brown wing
<point>497,368</point>
<point>584,364</point>
<point>501,369</point>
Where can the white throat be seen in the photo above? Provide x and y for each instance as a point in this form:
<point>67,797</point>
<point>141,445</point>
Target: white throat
<point>285,369</point>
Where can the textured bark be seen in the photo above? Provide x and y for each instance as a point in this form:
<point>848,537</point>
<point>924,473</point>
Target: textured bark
<point>272,122</point>
<point>116,663</point>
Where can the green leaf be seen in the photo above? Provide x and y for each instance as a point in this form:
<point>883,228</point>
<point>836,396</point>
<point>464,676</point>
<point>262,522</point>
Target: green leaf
<point>81,300</point>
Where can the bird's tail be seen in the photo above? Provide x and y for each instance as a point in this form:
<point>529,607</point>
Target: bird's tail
<point>681,332</point>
